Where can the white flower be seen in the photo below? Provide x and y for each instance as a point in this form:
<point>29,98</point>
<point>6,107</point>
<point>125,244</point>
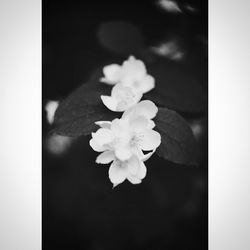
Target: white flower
<point>134,170</point>
<point>122,142</point>
<point>121,98</point>
<point>144,108</point>
<point>131,82</point>
<point>51,108</point>
<point>132,73</point>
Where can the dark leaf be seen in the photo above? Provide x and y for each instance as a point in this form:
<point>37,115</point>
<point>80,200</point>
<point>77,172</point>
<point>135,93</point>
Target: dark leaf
<point>177,140</point>
<point>76,114</point>
<point>176,89</point>
<point>121,37</point>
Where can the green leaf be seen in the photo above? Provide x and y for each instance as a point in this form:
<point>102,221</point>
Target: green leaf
<point>176,89</point>
<point>122,38</point>
<point>76,114</point>
<point>177,140</point>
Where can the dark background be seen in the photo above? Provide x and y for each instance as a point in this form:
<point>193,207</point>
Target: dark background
<point>80,208</point>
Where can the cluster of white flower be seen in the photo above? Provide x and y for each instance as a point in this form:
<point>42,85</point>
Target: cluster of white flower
<point>131,82</point>
<point>122,141</point>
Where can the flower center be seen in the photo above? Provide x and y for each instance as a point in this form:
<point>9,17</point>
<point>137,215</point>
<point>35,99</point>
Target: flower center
<point>136,139</point>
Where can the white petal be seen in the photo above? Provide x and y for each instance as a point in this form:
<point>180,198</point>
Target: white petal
<point>123,153</point>
<point>117,173</point>
<point>119,91</point>
<point>122,106</point>
<point>112,74</point>
<point>133,179</point>
<point>121,130</point>
<point>145,108</point>
<point>139,85</point>
<point>51,108</point>
<point>145,157</point>
<point>103,136</point>
<point>139,123</point>
<point>109,102</point>
<point>133,165</point>
<point>96,146</point>
<point>137,152</point>
<point>133,69</point>
<point>105,157</point>
<point>137,170</point>
<point>142,170</point>
<point>118,125</point>
<point>147,84</point>
<point>141,156</point>
<point>104,124</point>
<point>125,97</point>
<point>150,140</point>
<point>151,124</point>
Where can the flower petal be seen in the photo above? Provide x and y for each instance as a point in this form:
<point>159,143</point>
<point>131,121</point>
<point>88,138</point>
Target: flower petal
<point>147,84</point>
<point>142,170</point>
<point>123,153</point>
<point>96,146</point>
<point>141,85</point>
<point>112,74</point>
<point>125,97</point>
<point>51,108</point>
<point>141,156</point>
<point>103,136</point>
<point>120,129</point>
<point>133,179</point>
<point>133,69</point>
<point>118,126</point>
<point>137,170</point>
<point>133,165</point>
<point>137,152</point>
<point>117,172</point>
<point>144,108</point>
<point>149,140</point>
<point>104,124</point>
<point>110,102</point>
<point>145,157</point>
<point>139,123</point>
<point>105,157</point>
<point>151,124</point>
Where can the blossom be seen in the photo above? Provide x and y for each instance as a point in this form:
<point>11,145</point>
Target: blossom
<point>132,73</point>
<point>51,108</point>
<point>134,170</point>
<point>123,141</point>
<point>130,82</point>
<point>121,98</point>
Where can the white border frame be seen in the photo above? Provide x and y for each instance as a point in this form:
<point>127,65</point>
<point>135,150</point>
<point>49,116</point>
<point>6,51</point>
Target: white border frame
<point>229,125</point>
<point>20,129</point>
